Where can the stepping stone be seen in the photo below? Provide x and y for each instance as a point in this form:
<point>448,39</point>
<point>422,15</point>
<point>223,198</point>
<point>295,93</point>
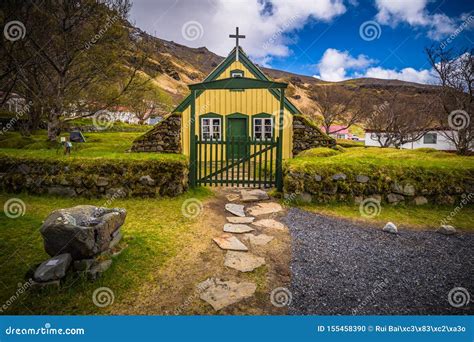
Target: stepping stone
<point>232,197</point>
<point>253,195</point>
<point>230,242</point>
<point>270,224</point>
<point>247,219</point>
<point>236,209</point>
<point>259,240</point>
<point>242,261</point>
<point>237,228</point>
<point>264,209</point>
<point>220,293</point>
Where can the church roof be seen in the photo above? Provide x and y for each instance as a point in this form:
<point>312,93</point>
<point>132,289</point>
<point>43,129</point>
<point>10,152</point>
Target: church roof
<point>244,59</point>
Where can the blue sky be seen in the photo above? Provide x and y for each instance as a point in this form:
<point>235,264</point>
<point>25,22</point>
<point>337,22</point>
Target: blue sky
<point>321,38</point>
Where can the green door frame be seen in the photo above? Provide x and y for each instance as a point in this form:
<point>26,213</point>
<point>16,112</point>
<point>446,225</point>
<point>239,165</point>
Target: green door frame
<point>228,125</point>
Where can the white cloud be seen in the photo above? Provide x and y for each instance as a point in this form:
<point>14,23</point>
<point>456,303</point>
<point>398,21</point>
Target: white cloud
<point>338,65</point>
<point>335,64</point>
<point>414,13</point>
<point>267,25</point>
<point>406,74</point>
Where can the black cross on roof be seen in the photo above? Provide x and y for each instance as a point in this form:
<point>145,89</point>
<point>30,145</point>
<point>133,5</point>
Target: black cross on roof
<point>236,36</point>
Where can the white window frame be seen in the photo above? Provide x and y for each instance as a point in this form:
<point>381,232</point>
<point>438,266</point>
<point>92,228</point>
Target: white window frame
<point>263,128</point>
<point>211,128</point>
<point>237,73</point>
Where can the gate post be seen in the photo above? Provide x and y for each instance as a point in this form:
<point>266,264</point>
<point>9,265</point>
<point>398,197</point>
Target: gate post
<point>279,161</point>
<point>192,141</point>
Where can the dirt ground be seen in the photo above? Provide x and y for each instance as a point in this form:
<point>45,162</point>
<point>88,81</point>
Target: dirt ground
<point>173,290</point>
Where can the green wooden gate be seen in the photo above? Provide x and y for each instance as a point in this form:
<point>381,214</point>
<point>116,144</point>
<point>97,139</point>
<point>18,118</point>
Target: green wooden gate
<point>218,164</point>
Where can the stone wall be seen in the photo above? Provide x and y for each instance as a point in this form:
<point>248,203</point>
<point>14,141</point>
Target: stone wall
<point>92,179</point>
<point>323,186</point>
<point>307,135</point>
<point>164,137</point>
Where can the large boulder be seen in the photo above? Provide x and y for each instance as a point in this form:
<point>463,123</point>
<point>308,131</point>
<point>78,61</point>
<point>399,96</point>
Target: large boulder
<point>83,231</point>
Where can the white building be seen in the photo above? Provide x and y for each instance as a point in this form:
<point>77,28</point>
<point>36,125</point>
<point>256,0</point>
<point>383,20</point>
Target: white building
<point>435,138</point>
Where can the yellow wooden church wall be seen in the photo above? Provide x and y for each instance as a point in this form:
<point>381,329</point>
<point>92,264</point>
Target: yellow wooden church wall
<point>248,102</point>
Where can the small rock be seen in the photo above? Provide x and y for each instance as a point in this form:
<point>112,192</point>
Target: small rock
<point>270,224</point>
<point>246,219</point>
<point>318,178</point>
<point>83,265</point>
<point>101,181</point>
<point>362,178</point>
<point>147,180</point>
<point>232,197</point>
<point>237,228</point>
<point>420,200</point>
<point>98,268</point>
<point>339,176</point>
<point>260,195</point>
<point>446,230</point>
<point>305,197</point>
<point>264,209</point>
<point>243,261</point>
<point>390,228</point>
<point>230,242</point>
<point>409,190</point>
<point>395,198</point>
<point>53,284</point>
<point>116,237</point>
<point>235,209</point>
<point>220,293</point>
<point>53,269</point>
<point>259,240</point>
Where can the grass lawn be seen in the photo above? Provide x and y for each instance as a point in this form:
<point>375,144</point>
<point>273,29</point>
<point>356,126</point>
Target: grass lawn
<point>98,145</point>
<point>428,216</point>
<point>363,158</point>
<point>153,231</point>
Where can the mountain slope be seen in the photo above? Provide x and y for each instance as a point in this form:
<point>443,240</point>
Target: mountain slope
<point>174,66</point>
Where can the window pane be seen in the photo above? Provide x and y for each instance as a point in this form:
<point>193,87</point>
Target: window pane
<point>258,128</point>
<point>430,138</point>
<point>268,122</point>
<point>268,128</point>
<point>268,135</point>
<point>205,122</point>
<point>258,122</point>
<point>216,121</point>
<point>258,135</point>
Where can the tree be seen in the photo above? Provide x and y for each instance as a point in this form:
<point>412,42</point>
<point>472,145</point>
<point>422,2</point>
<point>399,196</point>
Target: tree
<point>72,59</point>
<point>397,120</point>
<point>455,71</point>
<point>337,106</point>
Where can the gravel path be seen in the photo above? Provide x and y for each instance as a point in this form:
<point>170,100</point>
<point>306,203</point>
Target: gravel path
<point>339,267</point>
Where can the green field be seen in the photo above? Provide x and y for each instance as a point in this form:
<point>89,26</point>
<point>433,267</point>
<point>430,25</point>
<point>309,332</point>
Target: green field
<point>113,145</point>
<point>362,158</point>
<point>154,231</point>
